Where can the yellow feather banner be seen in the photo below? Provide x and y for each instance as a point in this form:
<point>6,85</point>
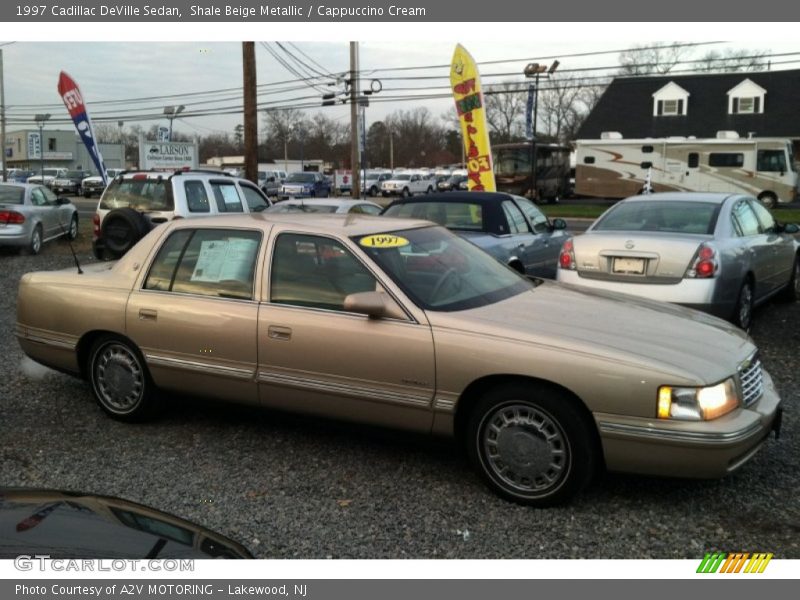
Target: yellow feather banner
<point>466,83</point>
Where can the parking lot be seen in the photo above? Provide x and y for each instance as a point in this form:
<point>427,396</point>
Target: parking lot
<point>289,487</point>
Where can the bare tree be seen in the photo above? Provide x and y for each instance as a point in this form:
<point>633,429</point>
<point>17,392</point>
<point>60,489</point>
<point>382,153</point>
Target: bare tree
<point>646,59</point>
<point>731,60</point>
<point>505,110</point>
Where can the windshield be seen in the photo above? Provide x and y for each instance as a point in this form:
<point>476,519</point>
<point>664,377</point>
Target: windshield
<point>440,271</point>
<point>510,161</point>
<point>284,207</point>
<point>300,178</point>
<point>11,194</point>
<point>453,215</point>
<point>140,194</point>
<point>661,215</point>
<point>74,175</point>
<point>401,177</point>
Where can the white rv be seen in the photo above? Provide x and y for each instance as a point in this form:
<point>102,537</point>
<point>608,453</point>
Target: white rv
<point>613,167</point>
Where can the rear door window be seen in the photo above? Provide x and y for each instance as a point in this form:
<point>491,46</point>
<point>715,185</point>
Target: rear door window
<point>226,197</point>
<point>745,219</point>
<point>516,221</point>
<point>255,200</point>
<point>196,197</point>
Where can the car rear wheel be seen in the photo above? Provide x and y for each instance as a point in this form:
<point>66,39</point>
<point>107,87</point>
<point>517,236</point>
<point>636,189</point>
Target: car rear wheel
<point>791,292</point>
<point>72,232</point>
<point>406,193</point>
<point>531,445</point>
<point>743,315</point>
<point>122,228</point>
<point>35,243</point>
<point>120,381</point>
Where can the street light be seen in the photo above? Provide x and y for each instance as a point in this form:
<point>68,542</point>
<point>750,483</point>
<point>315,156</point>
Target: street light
<point>172,112</point>
<point>532,71</point>
<point>40,121</point>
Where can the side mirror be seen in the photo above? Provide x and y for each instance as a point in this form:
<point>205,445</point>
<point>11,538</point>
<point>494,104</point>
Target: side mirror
<point>61,201</point>
<point>376,305</point>
<point>559,224</point>
<point>792,228</point>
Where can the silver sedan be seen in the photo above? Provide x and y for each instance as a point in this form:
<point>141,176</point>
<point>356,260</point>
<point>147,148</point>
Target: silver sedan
<point>31,214</point>
<point>720,253</point>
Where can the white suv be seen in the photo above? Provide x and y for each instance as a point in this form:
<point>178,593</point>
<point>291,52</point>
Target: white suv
<point>407,184</point>
<point>135,202</point>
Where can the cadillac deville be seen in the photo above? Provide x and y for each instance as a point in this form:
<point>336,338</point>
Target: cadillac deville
<point>400,323</point>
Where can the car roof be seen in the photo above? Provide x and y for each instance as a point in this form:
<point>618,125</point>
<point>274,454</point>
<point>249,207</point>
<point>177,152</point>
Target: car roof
<point>471,197</point>
<point>346,225</point>
<point>711,197</point>
<point>26,186</point>
<point>325,201</point>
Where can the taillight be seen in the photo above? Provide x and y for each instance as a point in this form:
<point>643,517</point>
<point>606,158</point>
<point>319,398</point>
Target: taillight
<point>9,217</point>
<point>96,225</point>
<point>566,260</point>
<point>705,263</point>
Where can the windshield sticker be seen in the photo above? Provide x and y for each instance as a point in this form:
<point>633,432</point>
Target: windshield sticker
<point>383,240</point>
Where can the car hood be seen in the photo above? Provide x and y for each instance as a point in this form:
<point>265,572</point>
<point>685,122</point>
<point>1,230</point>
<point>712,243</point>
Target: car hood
<point>618,327</point>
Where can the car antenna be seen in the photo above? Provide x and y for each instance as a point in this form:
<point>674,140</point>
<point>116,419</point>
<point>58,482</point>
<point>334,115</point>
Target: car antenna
<point>71,248</point>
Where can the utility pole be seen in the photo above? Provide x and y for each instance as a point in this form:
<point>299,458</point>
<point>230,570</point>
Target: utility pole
<point>391,150</point>
<point>250,116</point>
<point>3,120</point>
<point>355,192</point>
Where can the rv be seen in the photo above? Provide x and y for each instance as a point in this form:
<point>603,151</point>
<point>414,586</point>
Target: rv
<point>613,167</point>
<point>512,170</point>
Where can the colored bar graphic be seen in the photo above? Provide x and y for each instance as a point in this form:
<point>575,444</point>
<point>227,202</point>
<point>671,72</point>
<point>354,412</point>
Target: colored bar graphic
<point>734,562</point>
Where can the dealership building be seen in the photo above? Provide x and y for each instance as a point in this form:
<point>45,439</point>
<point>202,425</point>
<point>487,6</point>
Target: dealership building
<point>25,149</point>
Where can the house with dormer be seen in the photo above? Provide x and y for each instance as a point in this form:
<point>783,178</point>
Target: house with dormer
<point>757,104</point>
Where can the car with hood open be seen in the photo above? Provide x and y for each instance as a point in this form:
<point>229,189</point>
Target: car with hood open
<point>401,323</point>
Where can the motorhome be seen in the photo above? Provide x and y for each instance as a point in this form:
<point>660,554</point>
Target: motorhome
<point>613,167</point>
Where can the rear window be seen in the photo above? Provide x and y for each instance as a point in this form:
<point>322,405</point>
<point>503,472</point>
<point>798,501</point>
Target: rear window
<point>453,215</point>
<point>11,195</point>
<point>662,216</point>
<point>139,194</point>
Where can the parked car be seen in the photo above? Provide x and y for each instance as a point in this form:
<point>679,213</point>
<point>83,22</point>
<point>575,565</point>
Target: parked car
<point>510,228</point>
<point>452,183</point>
<point>18,175</point>
<point>401,323</point>
<point>306,184</point>
<point>407,184</point>
<point>69,525</point>
<point>94,184</point>
<point>372,182</point>
<point>135,202</point>
<point>31,215</point>
<point>326,205</point>
<point>49,176</point>
<point>720,253</point>
<point>270,183</point>
<point>69,183</point>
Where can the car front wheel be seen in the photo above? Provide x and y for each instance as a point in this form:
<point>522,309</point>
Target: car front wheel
<point>120,381</point>
<point>531,444</point>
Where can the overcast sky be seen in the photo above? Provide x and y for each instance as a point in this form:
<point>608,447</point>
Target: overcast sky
<point>111,71</point>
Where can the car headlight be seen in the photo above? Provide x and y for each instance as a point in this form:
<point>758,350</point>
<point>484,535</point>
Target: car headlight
<point>697,404</point>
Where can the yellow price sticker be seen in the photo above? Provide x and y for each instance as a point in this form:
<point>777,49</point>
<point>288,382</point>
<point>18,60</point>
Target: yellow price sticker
<point>383,240</point>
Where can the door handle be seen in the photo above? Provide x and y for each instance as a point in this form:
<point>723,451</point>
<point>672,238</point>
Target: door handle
<point>148,314</point>
<point>275,332</point>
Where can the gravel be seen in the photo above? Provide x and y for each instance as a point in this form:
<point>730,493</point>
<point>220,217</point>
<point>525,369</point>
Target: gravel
<point>292,487</point>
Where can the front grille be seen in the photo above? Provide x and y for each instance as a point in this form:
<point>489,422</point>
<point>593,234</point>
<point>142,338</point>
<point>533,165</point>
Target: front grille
<point>751,379</point>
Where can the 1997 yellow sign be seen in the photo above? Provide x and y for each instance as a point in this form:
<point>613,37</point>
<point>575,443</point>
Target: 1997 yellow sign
<point>383,240</point>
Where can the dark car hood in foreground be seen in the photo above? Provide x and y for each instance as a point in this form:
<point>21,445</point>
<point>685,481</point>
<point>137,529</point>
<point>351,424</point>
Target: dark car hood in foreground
<point>74,525</point>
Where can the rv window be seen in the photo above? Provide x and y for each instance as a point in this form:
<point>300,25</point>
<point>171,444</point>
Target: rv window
<point>589,160</point>
<point>693,161</point>
<point>647,149</point>
<point>726,159</point>
<point>771,160</point>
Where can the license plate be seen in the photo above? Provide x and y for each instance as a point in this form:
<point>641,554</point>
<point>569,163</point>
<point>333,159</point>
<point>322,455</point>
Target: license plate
<point>634,266</point>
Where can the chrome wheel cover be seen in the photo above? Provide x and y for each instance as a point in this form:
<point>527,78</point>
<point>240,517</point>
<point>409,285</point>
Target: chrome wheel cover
<point>524,449</point>
<point>118,378</point>
<point>36,241</point>
<point>797,279</point>
<point>73,229</point>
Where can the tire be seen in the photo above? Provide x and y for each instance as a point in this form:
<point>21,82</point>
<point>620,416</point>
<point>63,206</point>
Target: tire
<point>122,228</point>
<point>769,200</point>
<point>429,190</point>
<point>72,231</point>
<point>120,381</point>
<point>791,293</point>
<point>373,191</point>
<point>405,193</point>
<point>35,243</point>
<point>531,444</point>
<point>743,313</point>
<point>87,194</point>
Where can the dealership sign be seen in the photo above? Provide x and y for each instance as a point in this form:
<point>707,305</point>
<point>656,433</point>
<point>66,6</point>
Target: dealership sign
<point>34,146</point>
<point>167,155</point>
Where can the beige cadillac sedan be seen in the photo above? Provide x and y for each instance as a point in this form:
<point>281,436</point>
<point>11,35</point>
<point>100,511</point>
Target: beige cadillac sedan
<point>400,323</point>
